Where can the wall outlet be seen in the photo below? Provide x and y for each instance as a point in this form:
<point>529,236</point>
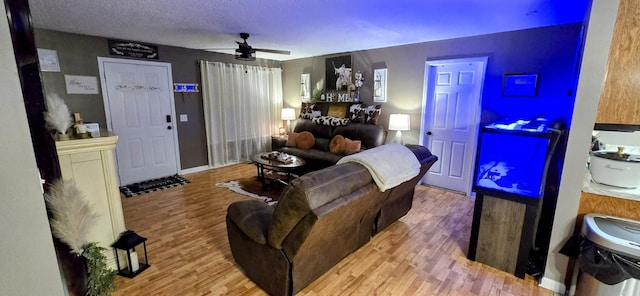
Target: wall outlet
<point>184,118</point>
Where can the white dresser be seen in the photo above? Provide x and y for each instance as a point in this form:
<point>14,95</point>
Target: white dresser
<point>91,164</point>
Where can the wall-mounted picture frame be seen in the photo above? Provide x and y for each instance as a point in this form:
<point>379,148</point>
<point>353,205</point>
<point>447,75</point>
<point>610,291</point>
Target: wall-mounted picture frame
<point>380,85</point>
<point>305,87</point>
<point>48,59</point>
<point>520,85</point>
<point>338,73</point>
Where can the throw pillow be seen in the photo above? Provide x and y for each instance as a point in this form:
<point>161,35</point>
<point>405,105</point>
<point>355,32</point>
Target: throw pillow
<point>361,113</point>
<point>373,114</point>
<point>330,121</point>
<point>305,140</point>
<point>291,140</point>
<point>352,146</point>
<point>337,111</point>
<point>337,145</point>
<point>309,111</point>
<point>358,113</point>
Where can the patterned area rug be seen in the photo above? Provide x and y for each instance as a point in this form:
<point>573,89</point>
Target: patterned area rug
<point>153,185</point>
<point>252,187</point>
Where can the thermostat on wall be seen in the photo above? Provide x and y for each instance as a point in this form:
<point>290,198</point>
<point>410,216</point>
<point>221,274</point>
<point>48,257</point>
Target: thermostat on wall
<point>185,87</point>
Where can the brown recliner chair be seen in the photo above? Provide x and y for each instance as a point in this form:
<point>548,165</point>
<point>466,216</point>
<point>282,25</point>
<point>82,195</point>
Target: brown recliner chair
<point>400,199</point>
<point>320,218</point>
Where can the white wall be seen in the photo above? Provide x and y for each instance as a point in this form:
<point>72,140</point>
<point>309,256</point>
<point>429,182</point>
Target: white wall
<point>592,75</point>
<point>28,261</point>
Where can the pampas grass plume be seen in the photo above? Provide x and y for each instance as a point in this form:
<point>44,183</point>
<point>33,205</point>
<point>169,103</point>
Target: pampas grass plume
<point>58,116</point>
<point>72,215</point>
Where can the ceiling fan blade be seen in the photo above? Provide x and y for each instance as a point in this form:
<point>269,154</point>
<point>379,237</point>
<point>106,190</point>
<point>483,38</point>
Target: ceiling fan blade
<point>273,51</point>
<point>221,48</point>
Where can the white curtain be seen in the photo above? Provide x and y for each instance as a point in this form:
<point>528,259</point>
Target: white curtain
<point>242,106</point>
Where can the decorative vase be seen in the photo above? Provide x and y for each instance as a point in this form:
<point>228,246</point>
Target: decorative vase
<point>63,137</point>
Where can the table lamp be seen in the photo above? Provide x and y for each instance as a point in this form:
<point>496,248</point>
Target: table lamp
<point>399,122</point>
<point>288,114</point>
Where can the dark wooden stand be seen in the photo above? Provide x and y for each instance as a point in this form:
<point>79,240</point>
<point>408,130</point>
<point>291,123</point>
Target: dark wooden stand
<point>502,232</point>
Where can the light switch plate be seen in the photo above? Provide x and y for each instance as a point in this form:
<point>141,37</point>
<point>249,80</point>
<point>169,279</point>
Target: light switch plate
<point>184,118</point>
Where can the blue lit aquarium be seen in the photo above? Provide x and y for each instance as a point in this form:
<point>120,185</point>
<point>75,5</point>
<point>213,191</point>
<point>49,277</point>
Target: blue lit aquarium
<point>512,162</point>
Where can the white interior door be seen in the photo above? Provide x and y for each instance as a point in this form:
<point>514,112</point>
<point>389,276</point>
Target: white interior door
<point>450,120</point>
<point>138,100</point>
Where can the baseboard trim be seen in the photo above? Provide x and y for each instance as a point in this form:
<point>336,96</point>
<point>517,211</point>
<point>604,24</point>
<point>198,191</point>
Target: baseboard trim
<point>553,285</point>
<point>195,170</point>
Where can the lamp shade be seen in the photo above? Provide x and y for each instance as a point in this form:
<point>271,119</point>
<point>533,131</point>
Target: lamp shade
<point>288,114</point>
<point>399,122</point>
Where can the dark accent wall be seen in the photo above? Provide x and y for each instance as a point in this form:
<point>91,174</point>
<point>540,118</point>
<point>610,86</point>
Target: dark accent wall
<point>78,54</point>
<point>548,51</point>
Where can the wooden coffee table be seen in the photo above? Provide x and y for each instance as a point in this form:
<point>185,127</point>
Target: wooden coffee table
<point>261,163</point>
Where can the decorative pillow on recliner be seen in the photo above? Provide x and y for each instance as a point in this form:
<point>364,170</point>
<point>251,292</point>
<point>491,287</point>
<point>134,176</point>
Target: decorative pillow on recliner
<point>352,146</point>
<point>337,145</point>
<point>373,113</point>
<point>305,140</point>
<point>361,113</point>
<point>330,121</point>
<point>291,139</point>
<point>338,111</point>
<point>358,113</point>
<point>309,111</point>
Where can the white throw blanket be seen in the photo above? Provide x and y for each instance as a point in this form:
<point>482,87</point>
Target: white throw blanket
<point>389,164</point>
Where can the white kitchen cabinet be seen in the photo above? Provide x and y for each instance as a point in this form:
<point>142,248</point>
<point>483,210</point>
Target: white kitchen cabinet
<point>91,164</point>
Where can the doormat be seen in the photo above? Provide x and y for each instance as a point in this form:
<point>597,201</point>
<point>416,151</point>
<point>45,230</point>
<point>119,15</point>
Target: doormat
<point>152,185</point>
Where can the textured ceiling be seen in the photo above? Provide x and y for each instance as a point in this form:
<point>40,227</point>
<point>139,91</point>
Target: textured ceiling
<point>304,27</point>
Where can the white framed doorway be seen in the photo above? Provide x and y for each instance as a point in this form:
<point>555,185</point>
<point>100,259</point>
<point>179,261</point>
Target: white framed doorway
<point>140,109</point>
<point>450,120</point>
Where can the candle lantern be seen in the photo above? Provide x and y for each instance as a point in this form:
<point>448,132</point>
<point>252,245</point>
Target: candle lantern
<point>125,248</point>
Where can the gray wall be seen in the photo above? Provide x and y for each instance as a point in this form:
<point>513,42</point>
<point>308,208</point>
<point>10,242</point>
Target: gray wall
<point>549,51</point>
<point>29,265</point>
<point>78,56</point>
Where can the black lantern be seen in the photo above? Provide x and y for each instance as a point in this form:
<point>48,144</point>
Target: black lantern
<point>127,243</point>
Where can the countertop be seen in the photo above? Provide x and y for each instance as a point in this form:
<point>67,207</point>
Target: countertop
<point>590,186</point>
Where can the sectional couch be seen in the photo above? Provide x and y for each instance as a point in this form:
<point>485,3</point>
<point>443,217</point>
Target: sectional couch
<point>319,155</point>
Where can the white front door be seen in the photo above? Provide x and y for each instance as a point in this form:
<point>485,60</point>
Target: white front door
<point>450,120</point>
<point>138,99</point>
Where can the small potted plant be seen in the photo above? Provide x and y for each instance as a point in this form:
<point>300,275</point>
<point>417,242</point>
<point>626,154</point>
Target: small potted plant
<point>71,219</point>
<point>318,91</point>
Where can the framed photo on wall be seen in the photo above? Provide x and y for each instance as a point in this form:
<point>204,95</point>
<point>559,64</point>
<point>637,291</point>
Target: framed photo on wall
<point>520,85</point>
<point>338,73</point>
<point>305,87</point>
<point>380,85</point>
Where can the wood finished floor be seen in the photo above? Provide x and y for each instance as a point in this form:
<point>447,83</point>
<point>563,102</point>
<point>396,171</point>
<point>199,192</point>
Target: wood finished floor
<point>424,253</point>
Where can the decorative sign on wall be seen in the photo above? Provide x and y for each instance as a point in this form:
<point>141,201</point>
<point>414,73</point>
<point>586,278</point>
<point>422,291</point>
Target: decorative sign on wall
<point>185,87</point>
<point>81,84</point>
<point>48,60</point>
<point>133,49</point>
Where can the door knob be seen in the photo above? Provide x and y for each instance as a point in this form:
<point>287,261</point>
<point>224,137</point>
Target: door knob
<point>169,127</point>
<point>429,133</point>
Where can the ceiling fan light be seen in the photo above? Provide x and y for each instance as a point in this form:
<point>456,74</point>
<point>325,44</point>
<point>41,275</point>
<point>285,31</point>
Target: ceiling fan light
<point>245,55</point>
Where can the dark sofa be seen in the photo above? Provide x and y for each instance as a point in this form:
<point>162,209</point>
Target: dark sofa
<point>319,156</point>
<point>320,218</point>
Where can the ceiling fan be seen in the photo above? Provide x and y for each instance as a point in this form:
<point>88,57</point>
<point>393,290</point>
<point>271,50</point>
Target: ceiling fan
<point>246,52</point>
